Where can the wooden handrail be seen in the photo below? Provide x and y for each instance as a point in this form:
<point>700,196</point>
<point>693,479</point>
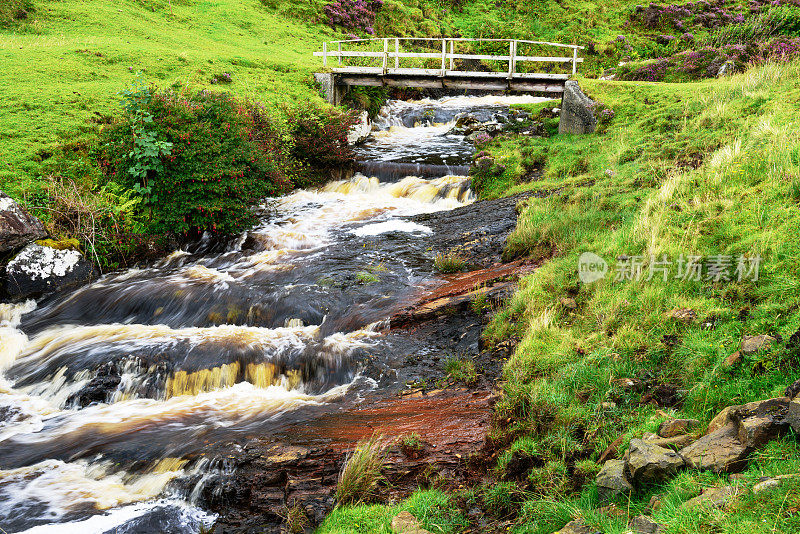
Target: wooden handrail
<point>512,58</point>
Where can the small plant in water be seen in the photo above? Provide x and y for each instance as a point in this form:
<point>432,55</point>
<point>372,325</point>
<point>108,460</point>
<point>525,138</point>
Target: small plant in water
<point>411,445</point>
<point>366,277</point>
<point>461,370</point>
<point>451,262</point>
<point>361,474</point>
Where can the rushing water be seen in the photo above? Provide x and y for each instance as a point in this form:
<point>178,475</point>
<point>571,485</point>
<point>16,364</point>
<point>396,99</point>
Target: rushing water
<point>106,392</point>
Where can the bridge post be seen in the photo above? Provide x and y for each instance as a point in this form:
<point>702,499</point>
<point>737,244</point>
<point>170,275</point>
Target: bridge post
<point>397,53</point>
<point>574,61</point>
<point>444,57</point>
<point>512,52</point>
<point>332,91</point>
<point>325,54</point>
<point>385,55</point>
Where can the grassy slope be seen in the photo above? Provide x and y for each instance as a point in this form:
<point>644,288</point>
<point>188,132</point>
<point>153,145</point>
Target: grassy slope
<point>71,62</point>
<point>742,199</point>
<point>703,168</point>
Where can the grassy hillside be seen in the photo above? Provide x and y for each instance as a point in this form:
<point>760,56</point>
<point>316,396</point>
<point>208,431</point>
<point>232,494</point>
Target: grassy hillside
<point>65,65</point>
<point>708,168</point>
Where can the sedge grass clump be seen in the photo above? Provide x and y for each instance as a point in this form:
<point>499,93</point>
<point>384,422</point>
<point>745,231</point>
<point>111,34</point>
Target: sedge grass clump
<point>361,474</point>
<point>451,262</point>
<point>461,370</point>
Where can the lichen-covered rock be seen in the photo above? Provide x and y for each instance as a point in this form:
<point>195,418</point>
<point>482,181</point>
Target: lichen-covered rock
<point>612,480</point>
<point>577,111</point>
<point>649,463</point>
<point>38,270</point>
<point>713,497</point>
<point>720,451</point>
<point>753,344</point>
<point>577,526</point>
<point>17,226</point>
<point>642,524</point>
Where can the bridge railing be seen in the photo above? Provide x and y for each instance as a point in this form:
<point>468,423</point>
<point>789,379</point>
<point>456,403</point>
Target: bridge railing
<point>392,53</point>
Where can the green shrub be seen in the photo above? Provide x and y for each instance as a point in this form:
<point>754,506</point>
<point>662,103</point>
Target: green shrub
<point>461,370</point>
<point>198,160</point>
<point>319,140</point>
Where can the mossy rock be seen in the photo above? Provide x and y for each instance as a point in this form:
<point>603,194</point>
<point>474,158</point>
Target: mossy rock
<point>60,244</point>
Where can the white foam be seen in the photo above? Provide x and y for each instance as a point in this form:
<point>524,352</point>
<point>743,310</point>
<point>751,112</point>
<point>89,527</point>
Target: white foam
<point>393,225</point>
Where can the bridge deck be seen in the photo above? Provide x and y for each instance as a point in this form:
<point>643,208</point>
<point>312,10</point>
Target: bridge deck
<point>445,75</point>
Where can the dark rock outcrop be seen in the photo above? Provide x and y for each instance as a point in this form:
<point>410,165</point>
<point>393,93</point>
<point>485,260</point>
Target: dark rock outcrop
<point>39,270</point>
<point>17,227</point>
<point>577,111</point>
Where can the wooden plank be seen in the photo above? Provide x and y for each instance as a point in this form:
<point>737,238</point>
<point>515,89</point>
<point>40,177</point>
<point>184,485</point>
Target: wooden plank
<point>371,81</point>
<point>421,83</point>
<point>414,72</point>
<point>478,85</point>
<point>547,59</point>
<point>536,87</point>
<point>541,76</point>
<point>358,70</point>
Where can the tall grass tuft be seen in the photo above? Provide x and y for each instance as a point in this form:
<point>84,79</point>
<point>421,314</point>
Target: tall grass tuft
<point>361,473</point>
<point>451,262</point>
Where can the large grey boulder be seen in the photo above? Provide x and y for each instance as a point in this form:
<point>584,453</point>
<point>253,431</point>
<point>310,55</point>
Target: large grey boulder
<point>17,226</point>
<point>649,463</point>
<point>577,111</point>
<point>612,480</point>
<point>39,270</point>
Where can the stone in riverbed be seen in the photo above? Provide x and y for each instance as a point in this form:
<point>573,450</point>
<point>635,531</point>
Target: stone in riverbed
<point>360,131</point>
<point>39,270</point>
<point>17,227</point>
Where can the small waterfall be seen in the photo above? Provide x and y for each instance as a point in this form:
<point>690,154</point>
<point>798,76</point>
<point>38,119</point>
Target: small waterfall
<point>109,396</point>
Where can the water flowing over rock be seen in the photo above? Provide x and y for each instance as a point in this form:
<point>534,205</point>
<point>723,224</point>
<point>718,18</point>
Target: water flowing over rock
<point>38,270</point>
<point>360,132</point>
<point>17,227</point>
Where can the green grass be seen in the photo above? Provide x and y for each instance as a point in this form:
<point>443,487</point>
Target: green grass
<point>434,509</point>
<point>702,168</point>
<point>449,263</point>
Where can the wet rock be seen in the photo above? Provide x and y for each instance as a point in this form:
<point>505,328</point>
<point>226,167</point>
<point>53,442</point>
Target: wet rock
<point>360,131</point>
<point>17,226</point>
<point>405,523</point>
<point>713,497</point>
<point>649,463</point>
<point>753,344</point>
<point>612,480</point>
<point>720,451</point>
<point>39,270</point>
<point>577,115</point>
<point>98,390</point>
<point>577,526</point>
<point>642,524</point>
<point>674,427</point>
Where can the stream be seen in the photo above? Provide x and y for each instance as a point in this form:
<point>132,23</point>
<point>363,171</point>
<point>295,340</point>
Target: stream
<point>109,393</point>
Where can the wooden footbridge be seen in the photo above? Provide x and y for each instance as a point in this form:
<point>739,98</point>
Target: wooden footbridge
<point>398,62</point>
